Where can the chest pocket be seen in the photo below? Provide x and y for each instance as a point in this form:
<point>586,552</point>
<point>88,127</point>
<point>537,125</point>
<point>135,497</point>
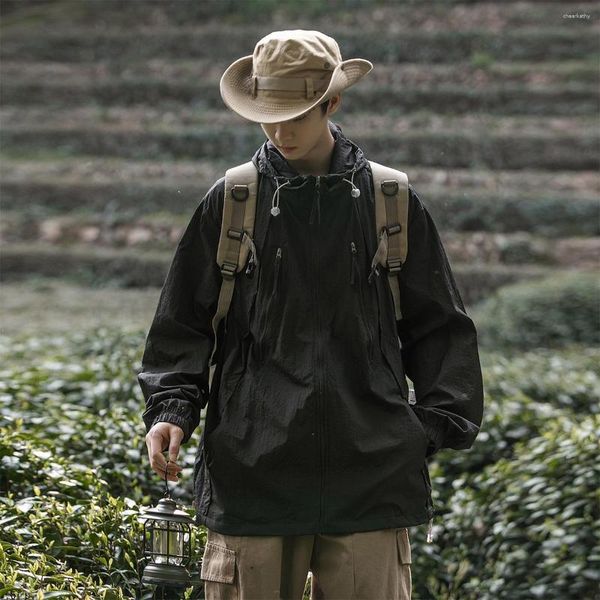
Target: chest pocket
<point>270,295</point>
<point>359,287</point>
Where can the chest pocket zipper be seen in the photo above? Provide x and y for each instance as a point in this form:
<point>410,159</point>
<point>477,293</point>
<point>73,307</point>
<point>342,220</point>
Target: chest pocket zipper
<point>278,255</point>
<point>268,298</point>
<point>354,279</point>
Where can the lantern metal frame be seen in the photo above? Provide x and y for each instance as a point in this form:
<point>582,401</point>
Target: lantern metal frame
<point>177,521</point>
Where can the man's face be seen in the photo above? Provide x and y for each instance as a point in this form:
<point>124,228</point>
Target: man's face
<point>297,138</point>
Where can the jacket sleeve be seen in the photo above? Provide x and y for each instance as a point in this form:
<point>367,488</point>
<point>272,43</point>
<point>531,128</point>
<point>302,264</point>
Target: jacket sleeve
<point>174,374</point>
<point>439,340</point>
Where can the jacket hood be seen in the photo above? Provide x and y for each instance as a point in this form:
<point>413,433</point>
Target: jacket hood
<point>347,158</point>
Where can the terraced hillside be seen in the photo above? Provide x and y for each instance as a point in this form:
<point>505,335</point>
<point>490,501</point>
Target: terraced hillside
<point>113,127</point>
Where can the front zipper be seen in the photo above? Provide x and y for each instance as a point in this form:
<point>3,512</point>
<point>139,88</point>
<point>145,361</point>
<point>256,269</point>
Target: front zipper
<point>321,413</point>
<point>316,204</point>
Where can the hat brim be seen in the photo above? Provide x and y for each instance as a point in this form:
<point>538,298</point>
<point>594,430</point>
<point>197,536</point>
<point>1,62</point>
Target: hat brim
<point>236,88</point>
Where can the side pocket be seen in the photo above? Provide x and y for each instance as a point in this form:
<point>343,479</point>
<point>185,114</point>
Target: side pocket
<point>203,486</point>
<point>429,503</point>
<point>393,360</point>
<point>405,560</point>
<point>428,490</point>
<point>218,564</point>
<point>404,550</point>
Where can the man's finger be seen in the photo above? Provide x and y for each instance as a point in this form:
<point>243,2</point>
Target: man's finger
<point>175,443</point>
<point>155,442</point>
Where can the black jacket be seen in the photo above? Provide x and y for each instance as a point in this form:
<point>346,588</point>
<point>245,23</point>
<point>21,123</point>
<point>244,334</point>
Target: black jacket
<point>308,427</point>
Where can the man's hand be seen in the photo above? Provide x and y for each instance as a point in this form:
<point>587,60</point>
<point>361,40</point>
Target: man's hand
<point>164,436</point>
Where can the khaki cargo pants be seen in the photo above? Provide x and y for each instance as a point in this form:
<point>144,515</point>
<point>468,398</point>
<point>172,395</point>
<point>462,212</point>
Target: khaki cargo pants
<point>370,565</point>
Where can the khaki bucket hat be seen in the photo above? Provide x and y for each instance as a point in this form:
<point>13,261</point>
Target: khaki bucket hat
<point>289,73</point>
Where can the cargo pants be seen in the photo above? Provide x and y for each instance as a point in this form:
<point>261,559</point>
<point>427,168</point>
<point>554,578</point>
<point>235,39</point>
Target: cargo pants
<point>369,565</point>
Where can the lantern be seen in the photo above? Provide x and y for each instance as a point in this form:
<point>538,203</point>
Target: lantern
<point>166,543</point>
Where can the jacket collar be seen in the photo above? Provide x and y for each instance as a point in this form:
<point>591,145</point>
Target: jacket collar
<point>346,158</point>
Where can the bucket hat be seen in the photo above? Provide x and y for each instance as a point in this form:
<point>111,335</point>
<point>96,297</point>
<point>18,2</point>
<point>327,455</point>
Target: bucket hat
<point>289,73</point>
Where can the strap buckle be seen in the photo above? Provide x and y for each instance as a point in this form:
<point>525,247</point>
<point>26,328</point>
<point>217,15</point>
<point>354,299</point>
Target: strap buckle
<point>228,270</point>
<point>389,187</point>
<point>394,265</point>
<point>240,192</point>
<point>235,234</point>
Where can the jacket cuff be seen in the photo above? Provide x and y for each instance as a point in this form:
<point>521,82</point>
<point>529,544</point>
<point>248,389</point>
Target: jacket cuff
<point>169,417</point>
<point>435,429</point>
<point>436,439</point>
<point>175,411</point>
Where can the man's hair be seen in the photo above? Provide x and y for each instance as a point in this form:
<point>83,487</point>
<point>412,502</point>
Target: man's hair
<point>324,106</point>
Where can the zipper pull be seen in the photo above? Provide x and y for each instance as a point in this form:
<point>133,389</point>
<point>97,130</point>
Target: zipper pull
<point>354,265</point>
<point>430,531</point>
<point>251,266</point>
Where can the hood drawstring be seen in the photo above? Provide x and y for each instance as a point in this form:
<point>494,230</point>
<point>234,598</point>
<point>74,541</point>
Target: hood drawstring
<point>355,191</point>
<point>275,210</point>
<point>316,205</point>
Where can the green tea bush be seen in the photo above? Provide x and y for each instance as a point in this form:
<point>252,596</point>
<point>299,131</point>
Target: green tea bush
<point>527,527</point>
<point>549,313</point>
<point>567,379</point>
<point>74,471</point>
<point>522,393</point>
<point>507,421</point>
<point>80,394</point>
<point>59,528</point>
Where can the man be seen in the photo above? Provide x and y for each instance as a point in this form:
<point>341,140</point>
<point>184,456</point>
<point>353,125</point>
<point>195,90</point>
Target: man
<point>311,457</point>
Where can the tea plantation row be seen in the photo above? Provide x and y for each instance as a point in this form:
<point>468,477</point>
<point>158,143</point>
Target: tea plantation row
<point>516,515</point>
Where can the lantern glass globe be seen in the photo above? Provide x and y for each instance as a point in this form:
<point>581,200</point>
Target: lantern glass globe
<point>169,541</point>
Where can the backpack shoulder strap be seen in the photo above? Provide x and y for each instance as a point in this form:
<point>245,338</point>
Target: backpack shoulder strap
<point>391,220</point>
<point>235,240</point>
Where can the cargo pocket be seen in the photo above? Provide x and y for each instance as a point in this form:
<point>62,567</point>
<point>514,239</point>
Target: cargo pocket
<point>405,562</point>
<point>218,567</point>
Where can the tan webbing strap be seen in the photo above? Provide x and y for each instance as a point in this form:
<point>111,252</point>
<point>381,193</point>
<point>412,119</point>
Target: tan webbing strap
<point>237,229</point>
<point>290,84</point>
<point>391,219</point>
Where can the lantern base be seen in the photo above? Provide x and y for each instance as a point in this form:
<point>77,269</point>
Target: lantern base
<point>172,575</point>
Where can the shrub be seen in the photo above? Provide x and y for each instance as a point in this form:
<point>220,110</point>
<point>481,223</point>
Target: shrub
<point>73,468</point>
<point>567,379</point>
<point>79,393</point>
<point>527,527</point>
<point>61,530</point>
<point>549,313</point>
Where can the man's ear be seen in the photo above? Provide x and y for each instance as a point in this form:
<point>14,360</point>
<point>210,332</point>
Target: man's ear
<point>334,103</point>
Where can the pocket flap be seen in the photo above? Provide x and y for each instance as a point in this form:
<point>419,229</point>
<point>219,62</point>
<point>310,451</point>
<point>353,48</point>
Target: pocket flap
<point>404,546</point>
<point>218,564</point>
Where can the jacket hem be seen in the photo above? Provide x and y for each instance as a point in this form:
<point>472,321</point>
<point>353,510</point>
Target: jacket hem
<point>341,527</point>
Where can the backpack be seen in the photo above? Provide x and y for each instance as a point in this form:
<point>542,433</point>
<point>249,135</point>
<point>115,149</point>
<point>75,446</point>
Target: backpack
<point>237,229</point>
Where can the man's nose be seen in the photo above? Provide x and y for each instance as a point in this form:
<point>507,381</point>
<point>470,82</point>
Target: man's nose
<point>283,133</point>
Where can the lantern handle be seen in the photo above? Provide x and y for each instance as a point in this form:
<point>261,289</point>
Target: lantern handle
<point>167,494</point>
